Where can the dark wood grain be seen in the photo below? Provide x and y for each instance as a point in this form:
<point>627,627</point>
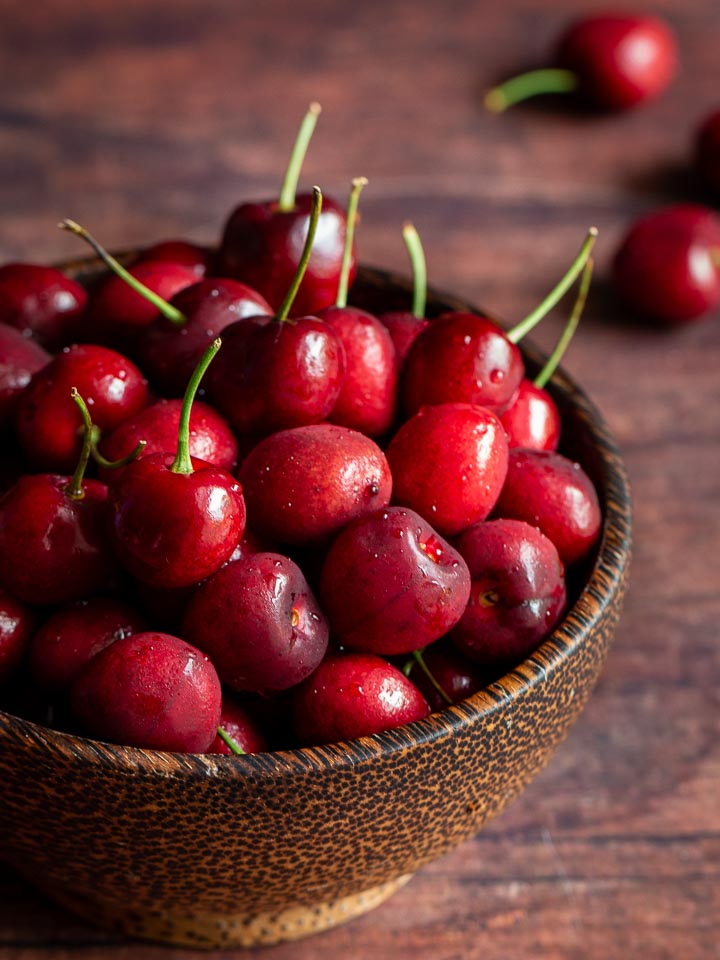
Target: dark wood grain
<point>146,119</point>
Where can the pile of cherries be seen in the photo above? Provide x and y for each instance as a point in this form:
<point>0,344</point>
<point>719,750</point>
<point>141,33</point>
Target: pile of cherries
<point>362,519</point>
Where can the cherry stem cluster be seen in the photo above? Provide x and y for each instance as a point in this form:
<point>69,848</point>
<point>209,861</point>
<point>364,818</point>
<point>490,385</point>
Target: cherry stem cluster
<point>552,362</point>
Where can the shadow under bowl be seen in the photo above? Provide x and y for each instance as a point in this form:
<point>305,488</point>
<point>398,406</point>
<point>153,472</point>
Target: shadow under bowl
<point>214,851</point>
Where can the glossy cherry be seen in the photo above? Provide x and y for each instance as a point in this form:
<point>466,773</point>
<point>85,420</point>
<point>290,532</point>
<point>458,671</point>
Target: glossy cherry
<point>262,242</point>
<point>707,151</point>
<point>354,695</point>
<point>667,267</point>
<point>390,584</point>
<point>613,62</point>
<point>303,486</point>
<point>404,326</point>
<point>17,622</point>
<point>176,520</point>
<point>517,595</point>
<point>20,358</point>
<point>237,726</point>
<point>259,622</point>
<point>42,303</point>
<point>150,690</point>
<point>553,493</point>
<point>448,463</point>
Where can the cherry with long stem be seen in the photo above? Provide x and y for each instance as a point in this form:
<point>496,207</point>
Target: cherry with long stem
<point>284,309</point>
<point>553,361</point>
<point>343,283</point>
<point>419,269</point>
<point>288,190</point>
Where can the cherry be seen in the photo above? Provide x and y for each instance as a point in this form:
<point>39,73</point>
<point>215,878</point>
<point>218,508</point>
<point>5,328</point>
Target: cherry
<point>176,521</point>
<point>404,326</point>
<point>150,690</point>
<point>707,151</point>
<point>71,637</point>
<point>444,676</point>
<point>275,372</point>
<point>548,491</point>
<point>16,626</point>
<point>20,358</point>
<point>49,429</point>
<point>42,303</point>
<point>464,358</point>
<point>612,61</point>
<point>366,401</point>
<point>259,621</point>
<point>262,242</point>
<point>190,255</point>
<point>54,545</point>
<point>448,463</point>
<point>390,584</point>
<point>667,267</point>
<point>517,595</point>
<point>237,726</point>
<point>210,437</point>
<point>303,486</point>
<point>354,695</point>
<point>533,420</point>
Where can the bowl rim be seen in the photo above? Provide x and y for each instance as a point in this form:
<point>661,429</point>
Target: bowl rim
<point>604,580</point>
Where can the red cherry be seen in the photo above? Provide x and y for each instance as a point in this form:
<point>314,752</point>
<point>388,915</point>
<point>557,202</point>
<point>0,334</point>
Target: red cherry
<point>16,626</point>
<point>668,265</point>
<point>354,695</point>
<point>448,463</point>
<point>707,151</point>
<point>190,255</point>
<point>20,358</point>
<point>260,623</point>
<point>555,494</point>
<point>150,690</point>
<point>517,595</point>
<point>444,676</point>
<point>613,62</point>
<point>42,303</point>
<point>237,724</point>
<point>390,584</point>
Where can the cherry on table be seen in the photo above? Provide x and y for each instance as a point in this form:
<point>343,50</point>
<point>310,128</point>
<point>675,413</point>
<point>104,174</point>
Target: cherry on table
<point>667,267</point>
<point>613,62</point>
<point>262,242</point>
<point>354,695</point>
<point>150,690</point>
<point>20,358</point>
<point>42,303</point>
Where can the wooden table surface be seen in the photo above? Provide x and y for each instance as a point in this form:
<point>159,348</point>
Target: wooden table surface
<point>148,119</point>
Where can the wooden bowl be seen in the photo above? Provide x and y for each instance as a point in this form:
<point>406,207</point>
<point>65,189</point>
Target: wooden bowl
<point>216,851</point>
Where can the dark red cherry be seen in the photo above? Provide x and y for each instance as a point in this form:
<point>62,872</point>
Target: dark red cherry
<point>71,637</point>
<point>190,255</point>
<point>259,622</point>
<point>16,627</point>
<point>444,676</point>
<point>390,584</point>
<point>548,491</point>
<point>517,595</point>
<point>20,358</point>
<point>262,242</point>
<point>150,690</point>
<point>448,463</point>
<point>237,724</point>
<point>707,151</point>
<point>42,303</point>
<point>48,424</point>
<point>303,486</point>
<point>354,695</point>
<point>668,265</point>
<point>612,61</point>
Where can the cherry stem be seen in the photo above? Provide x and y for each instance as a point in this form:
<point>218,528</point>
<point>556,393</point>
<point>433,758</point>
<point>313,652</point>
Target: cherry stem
<point>74,489</point>
<point>183,462</point>
<point>113,464</point>
<point>286,201</point>
<point>419,269</point>
<point>551,364</point>
<point>715,256</point>
<point>420,660</point>
<point>287,303</point>
<point>171,313</point>
<point>531,84</point>
<point>230,742</point>
<point>342,292</point>
<point>557,293</point>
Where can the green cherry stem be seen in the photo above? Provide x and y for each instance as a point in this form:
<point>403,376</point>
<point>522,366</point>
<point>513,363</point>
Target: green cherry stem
<point>531,84</point>
<point>557,293</point>
<point>282,314</point>
<point>420,660</point>
<point>419,269</point>
<point>566,336</point>
<point>74,489</point>
<point>715,256</point>
<point>183,462</point>
<point>171,313</point>
<point>286,201</point>
<point>113,464</point>
<point>355,191</point>
<point>230,742</point>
